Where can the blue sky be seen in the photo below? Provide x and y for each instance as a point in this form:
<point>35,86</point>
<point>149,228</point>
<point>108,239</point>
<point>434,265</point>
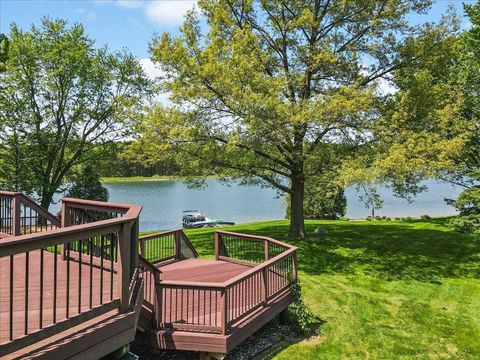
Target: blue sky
<point>131,23</point>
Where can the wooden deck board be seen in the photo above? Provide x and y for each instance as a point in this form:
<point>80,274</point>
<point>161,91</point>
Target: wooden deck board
<point>48,291</point>
<point>202,270</point>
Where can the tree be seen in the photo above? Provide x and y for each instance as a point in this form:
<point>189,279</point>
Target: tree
<point>467,172</point>
<point>85,184</point>
<point>431,126</point>
<point>60,99</point>
<point>272,81</point>
<point>4,43</point>
<point>323,199</point>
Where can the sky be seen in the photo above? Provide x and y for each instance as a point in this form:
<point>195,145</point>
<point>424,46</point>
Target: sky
<point>131,23</point>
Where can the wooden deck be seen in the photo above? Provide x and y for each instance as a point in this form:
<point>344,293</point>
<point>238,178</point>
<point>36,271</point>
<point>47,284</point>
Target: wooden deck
<point>82,287</point>
<point>95,288</point>
<point>183,306</point>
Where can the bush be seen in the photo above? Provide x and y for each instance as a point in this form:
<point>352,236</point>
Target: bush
<point>85,184</point>
<point>466,224</point>
<point>425,217</point>
<point>468,206</point>
<point>304,322</point>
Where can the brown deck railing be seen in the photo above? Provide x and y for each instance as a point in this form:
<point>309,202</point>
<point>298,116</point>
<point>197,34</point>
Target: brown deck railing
<point>215,307</point>
<point>21,215</point>
<point>165,246</point>
<point>62,277</point>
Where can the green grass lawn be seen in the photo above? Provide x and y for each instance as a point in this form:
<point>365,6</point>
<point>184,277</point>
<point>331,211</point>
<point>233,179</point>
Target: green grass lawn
<point>384,289</point>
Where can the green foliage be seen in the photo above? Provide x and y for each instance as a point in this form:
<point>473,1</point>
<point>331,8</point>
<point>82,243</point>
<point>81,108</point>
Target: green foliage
<point>303,321</point>
<point>85,184</point>
<point>324,199</point>
<point>4,44</point>
<point>61,98</point>
<point>469,224</point>
<point>271,83</point>
<point>468,202</point>
<point>425,217</point>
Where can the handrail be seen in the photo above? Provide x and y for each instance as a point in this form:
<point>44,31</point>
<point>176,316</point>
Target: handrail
<point>102,248</point>
<point>158,234</point>
<point>95,205</point>
<point>17,218</point>
<point>60,236</point>
<point>148,265</point>
<point>40,210</point>
<point>169,245</point>
<point>254,237</point>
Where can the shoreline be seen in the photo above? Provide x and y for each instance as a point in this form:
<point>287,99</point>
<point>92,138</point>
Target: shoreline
<point>115,179</point>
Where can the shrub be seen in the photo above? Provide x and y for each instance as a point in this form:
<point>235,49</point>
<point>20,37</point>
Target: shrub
<point>85,184</point>
<point>304,322</point>
<point>466,224</point>
<point>425,217</point>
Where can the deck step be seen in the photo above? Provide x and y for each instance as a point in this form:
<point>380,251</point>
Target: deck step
<point>92,339</point>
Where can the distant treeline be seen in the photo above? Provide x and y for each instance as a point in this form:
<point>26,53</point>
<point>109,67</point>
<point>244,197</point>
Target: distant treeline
<point>112,163</point>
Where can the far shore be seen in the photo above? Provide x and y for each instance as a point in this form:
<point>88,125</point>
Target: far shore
<point>151,178</point>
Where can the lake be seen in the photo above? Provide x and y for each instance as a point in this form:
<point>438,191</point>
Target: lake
<point>164,201</point>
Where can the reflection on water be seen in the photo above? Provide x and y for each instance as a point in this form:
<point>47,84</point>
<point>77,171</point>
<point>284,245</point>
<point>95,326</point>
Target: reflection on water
<point>164,201</point>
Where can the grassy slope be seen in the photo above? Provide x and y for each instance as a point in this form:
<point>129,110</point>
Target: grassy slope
<point>386,290</point>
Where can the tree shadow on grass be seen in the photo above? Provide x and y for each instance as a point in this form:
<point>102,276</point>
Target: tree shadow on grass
<point>388,250</point>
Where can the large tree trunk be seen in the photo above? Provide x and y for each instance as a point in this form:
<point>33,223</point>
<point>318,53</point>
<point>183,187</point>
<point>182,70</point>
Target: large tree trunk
<point>46,199</point>
<point>297,223</point>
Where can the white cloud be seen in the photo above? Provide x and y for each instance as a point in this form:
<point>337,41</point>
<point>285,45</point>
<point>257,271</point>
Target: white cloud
<point>153,72</point>
<point>168,12</point>
<point>163,12</point>
<point>386,87</point>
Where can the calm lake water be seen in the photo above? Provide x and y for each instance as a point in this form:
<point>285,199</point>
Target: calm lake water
<point>164,201</point>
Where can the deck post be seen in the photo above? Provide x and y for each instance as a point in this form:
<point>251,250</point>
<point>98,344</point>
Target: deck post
<point>217,245</point>
<point>158,299</point>
<point>265,286</point>
<point>142,247</point>
<point>178,251</point>
<point>16,231</point>
<point>224,311</point>
<point>64,222</point>
<point>266,250</point>
<point>134,235</point>
<point>294,265</point>
<point>123,259</point>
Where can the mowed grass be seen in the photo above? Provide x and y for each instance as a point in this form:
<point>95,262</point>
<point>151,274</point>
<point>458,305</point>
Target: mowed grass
<point>384,289</point>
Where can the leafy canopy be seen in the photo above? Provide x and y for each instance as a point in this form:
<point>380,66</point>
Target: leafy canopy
<point>273,81</point>
<point>60,98</point>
